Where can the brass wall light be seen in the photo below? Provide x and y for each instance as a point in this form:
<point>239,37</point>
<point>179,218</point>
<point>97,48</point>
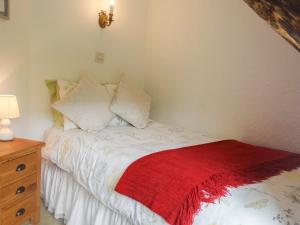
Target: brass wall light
<point>104,19</point>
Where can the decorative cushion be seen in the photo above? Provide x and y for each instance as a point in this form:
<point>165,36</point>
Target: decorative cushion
<point>131,103</point>
<point>116,121</point>
<point>87,105</point>
<point>60,88</point>
<point>57,90</point>
<point>54,97</point>
<point>64,88</point>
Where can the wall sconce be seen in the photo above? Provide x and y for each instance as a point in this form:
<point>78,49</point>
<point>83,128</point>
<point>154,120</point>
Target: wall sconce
<point>104,19</point>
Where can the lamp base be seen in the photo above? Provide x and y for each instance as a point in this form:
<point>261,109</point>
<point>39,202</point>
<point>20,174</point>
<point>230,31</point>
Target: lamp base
<point>6,133</point>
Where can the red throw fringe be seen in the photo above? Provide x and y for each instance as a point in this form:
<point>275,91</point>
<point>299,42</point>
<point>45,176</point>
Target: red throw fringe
<point>217,185</point>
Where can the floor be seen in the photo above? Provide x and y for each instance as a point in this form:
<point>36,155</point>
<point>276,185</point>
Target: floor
<point>47,218</point>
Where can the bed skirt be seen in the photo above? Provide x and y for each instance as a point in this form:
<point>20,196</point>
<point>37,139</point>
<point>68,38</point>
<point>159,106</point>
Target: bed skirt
<point>68,200</point>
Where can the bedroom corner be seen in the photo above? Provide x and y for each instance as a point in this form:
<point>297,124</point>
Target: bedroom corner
<point>149,112</point>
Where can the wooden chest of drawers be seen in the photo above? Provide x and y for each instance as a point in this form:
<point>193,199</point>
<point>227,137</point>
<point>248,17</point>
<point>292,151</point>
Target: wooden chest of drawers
<point>20,165</point>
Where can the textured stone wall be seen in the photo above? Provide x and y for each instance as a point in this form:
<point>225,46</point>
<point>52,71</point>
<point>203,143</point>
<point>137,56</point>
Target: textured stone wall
<point>282,15</point>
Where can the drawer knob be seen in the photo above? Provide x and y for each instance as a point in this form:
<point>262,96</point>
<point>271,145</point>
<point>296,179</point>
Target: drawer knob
<point>20,190</point>
<point>21,167</point>
<point>20,212</point>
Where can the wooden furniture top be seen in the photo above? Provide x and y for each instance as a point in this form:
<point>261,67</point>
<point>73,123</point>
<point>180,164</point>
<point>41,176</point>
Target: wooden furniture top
<point>18,148</point>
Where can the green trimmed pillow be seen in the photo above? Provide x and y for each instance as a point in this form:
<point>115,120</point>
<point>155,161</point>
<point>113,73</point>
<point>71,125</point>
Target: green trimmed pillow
<point>58,117</point>
<point>58,89</point>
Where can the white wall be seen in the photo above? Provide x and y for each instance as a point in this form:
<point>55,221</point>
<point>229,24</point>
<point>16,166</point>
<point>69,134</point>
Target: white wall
<point>212,66</point>
<point>216,67</point>
<point>14,59</point>
<point>58,39</point>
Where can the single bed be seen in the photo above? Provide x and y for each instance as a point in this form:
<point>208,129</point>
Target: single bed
<point>81,169</point>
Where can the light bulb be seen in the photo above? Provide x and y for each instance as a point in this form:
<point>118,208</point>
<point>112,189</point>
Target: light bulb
<point>112,5</point>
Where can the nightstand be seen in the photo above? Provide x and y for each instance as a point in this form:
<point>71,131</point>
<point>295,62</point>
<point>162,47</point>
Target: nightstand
<point>20,172</point>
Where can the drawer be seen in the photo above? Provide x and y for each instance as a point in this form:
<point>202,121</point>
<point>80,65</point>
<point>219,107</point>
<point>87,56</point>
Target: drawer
<point>18,213</point>
<point>11,171</point>
<point>19,190</point>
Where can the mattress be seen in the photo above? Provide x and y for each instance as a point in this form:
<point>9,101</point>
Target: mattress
<point>96,161</point>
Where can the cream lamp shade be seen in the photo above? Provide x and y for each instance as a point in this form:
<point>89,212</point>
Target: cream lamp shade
<point>9,109</point>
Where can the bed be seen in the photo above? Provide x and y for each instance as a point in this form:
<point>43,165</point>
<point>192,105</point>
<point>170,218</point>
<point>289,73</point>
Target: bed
<point>80,170</point>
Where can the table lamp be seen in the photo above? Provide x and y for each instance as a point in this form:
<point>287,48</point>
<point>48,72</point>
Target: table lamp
<point>8,110</point>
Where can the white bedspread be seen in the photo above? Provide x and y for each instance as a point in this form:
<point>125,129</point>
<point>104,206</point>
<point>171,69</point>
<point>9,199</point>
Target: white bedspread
<point>97,160</point>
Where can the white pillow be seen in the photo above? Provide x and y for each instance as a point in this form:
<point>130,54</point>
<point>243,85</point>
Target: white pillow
<point>64,87</point>
<point>87,105</point>
<point>131,103</point>
<point>116,121</point>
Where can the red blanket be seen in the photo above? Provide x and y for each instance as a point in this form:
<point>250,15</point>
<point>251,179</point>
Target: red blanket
<point>174,183</point>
